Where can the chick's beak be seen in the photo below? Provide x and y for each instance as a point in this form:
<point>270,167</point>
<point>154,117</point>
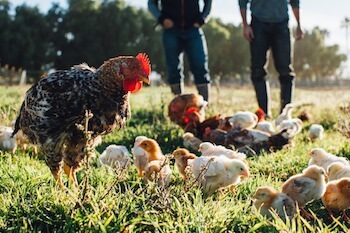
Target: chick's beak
<point>245,173</point>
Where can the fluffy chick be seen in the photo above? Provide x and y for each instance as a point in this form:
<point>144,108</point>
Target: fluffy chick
<point>316,132</point>
<point>243,120</point>
<point>153,149</point>
<point>286,114</point>
<point>294,126</point>
<point>190,141</point>
<point>140,155</point>
<point>338,170</point>
<point>214,173</point>
<point>306,187</point>
<point>7,142</point>
<point>337,196</point>
<point>181,157</point>
<point>323,159</point>
<point>209,149</point>
<point>267,199</point>
<point>115,156</point>
<point>158,172</point>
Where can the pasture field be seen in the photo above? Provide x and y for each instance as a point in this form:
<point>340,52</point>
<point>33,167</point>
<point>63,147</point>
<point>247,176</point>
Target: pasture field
<point>110,201</point>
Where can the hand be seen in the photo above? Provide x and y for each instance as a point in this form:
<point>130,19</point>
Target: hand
<point>196,25</point>
<point>299,33</point>
<point>248,33</point>
<point>168,23</point>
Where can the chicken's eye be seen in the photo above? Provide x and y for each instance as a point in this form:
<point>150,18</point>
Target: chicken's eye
<point>241,169</point>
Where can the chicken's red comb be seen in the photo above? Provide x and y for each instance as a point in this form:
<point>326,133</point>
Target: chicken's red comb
<point>261,114</point>
<point>145,63</point>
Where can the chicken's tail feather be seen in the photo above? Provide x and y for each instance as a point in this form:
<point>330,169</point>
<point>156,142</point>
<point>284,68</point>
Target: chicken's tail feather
<point>17,128</point>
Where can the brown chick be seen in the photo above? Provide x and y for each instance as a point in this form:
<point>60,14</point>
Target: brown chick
<point>337,197</point>
<point>181,157</point>
<point>306,187</point>
<point>152,147</point>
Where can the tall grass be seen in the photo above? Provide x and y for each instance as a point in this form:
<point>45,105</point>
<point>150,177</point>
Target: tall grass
<point>32,202</point>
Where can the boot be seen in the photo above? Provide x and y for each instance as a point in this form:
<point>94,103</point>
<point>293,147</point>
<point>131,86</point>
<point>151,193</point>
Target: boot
<point>177,89</point>
<point>204,90</point>
<point>286,93</point>
<point>262,91</point>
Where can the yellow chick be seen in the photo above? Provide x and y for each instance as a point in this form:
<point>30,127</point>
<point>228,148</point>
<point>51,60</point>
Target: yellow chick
<point>338,170</point>
<point>243,120</point>
<point>306,187</point>
<point>190,141</point>
<point>337,197</point>
<point>214,173</point>
<point>323,159</point>
<point>140,155</point>
<point>181,157</point>
<point>267,199</point>
<point>153,149</point>
<point>159,172</point>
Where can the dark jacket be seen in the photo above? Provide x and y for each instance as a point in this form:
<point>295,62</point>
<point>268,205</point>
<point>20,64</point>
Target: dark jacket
<point>184,13</point>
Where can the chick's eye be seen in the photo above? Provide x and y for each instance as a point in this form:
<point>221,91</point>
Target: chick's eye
<point>241,169</point>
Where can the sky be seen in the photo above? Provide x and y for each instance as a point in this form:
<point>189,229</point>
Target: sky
<point>326,14</point>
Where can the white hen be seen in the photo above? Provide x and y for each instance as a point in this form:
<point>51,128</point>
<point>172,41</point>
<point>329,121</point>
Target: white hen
<point>243,120</point>
<point>115,156</point>
<point>294,126</point>
<point>323,159</point>
<point>316,132</point>
<point>209,149</point>
<point>214,173</point>
<point>286,114</point>
<point>338,170</point>
<point>266,126</point>
<point>140,155</point>
<point>7,143</point>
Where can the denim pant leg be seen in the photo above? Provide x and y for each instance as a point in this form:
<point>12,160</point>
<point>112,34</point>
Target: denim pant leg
<point>173,49</point>
<point>281,51</point>
<point>197,54</point>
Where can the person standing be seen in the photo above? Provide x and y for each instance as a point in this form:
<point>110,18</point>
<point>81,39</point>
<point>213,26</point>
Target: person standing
<point>182,21</point>
<point>269,29</point>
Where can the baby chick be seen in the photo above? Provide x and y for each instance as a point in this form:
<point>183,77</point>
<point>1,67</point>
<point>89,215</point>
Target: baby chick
<point>115,156</point>
<point>159,172</point>
<point>190,141</point>
<point>140,155</point>
<point>214,173</point>
<point>153,149</point>
<point>323,159</point>
<point>266,126</point>
<point>316,132</point>
<point>338,170</point>
<point>209,149</point>
<point>243,120</point>
<point>337,196</point>
<point>181,157</point>
<point>268,199</point>
<point>286,114</point>
<point>7,143</point>
<point>306,187</point>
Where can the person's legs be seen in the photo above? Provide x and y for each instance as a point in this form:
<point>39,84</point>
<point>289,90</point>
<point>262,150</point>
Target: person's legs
<point>258,52</point>
<point>197,53</point>
<point>281,51</point>
<point>174,59</point>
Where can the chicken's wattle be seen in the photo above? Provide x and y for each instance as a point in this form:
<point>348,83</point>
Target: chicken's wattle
<point>132,85</point>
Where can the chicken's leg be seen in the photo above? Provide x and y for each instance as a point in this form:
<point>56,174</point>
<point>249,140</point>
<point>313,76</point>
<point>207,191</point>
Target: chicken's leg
<point>57,174</point>
<point>70,172</point>
<point>305,214</point>
<point>345,216</point>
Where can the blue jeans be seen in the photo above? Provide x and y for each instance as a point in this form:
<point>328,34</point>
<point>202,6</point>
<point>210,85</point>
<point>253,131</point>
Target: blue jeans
<point>192,42</point>
<point>274,36</point>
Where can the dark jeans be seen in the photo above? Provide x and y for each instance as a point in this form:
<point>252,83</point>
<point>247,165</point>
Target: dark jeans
<point>274,36</point>
<point>192,42</point>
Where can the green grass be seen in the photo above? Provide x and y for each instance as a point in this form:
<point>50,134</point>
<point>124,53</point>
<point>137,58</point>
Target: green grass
<point>114,202</point>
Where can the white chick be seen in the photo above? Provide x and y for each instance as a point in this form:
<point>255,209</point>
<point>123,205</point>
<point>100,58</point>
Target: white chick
<point>158,171</point>
<point>7,143</point>
<point>116,157</point>
<point>294,126</point>
<point>209,149</point>
<point>338,170</point>
<point>306,187</point>
<point>323,159</point>
<point>190,141</point>
<point>140,155</point>
<point>266,126</point>
<point>316,132</point>
<point>286,114</point>
<point>243,120</point>
<point>214,173</point>
<point>267,199</point>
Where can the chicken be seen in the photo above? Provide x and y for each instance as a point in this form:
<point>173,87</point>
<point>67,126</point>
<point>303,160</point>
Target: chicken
<point>7,143</point>
<point>323,159</point>
<point>214,173</point>
<point>260,113</point>
<point>266,126</point>
<point>316,132</point>
<point>267,199</point>
<point>181,107</point>
<point>181,157</point>
<point>216,136</point>
<point>158,171</point>
<point>209,149</point>
<point>115,157</point>
<point>56,105</point>
<point>293,125</point>
<point>243,120</point>
<point>153,149</point>
<point>286,114</point>
<point>140,155</point>
<point>338,170</point>
<point>190,141</point>
<point>336,197</point>
<point>306,187</point>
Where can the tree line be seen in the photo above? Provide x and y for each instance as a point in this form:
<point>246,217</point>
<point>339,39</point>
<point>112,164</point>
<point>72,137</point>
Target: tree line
<point>93,31</point>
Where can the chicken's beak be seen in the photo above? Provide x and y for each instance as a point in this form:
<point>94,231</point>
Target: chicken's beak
<point>145,79</point>
<point>245,173</point>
